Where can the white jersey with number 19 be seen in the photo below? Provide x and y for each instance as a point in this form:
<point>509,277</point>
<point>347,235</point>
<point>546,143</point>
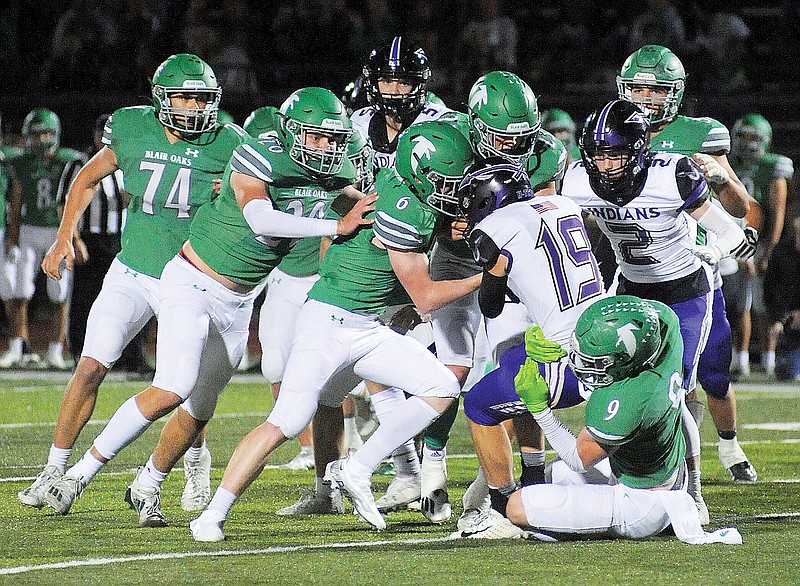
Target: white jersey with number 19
<point>552,269</point>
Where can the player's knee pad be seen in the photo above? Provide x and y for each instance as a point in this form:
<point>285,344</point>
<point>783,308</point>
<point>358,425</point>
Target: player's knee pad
<point>273,363</point>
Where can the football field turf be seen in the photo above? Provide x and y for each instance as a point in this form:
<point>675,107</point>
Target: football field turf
<point>99,542</point>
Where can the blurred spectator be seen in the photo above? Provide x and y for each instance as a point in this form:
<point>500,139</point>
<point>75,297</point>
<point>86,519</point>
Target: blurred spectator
<point>488,42</point>
<point>83,40</point>
<point>659,24</point>
<point>782,298</point>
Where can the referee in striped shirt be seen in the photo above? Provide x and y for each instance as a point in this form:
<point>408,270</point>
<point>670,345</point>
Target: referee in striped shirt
<point>96,245</point>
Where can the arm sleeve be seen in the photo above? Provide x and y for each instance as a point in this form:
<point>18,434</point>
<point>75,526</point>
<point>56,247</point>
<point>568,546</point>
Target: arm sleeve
<point>561,438</point>
<point>492,294</point>
<point>265,220</point>
<point>730,237</point>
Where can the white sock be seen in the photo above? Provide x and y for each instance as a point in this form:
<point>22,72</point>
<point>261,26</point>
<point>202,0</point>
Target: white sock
<point>58,457</point>
<point>769,360</point>
<point>691,433</point>
<point>744,360</point>
<point>125,426</point>
<point>151,476</point>
<point>192,455</point>
<point>55,348</point>
<point>414,416</point>
<point>387,401</point>
<point>87,467</point>
<point>406,461</point>
<point>15,345</point>
<point>433,455</point>
<point>352,441</point>
<point>222,502</point>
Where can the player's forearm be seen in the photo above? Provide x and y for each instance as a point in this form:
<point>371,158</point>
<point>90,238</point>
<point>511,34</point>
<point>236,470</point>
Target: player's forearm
<point>439,293</point>
<point>562,439</point>
<point>81,193</point>
<point>734,198</point>
<point>729,235</point>
<point>265,220</point>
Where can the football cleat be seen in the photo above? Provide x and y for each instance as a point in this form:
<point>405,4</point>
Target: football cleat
<point>10,359</point>
<point>208,527</point>
<point>358,490</point>
<point>145,500</point>
<point>63,492</point>
<point>734,460</point>
<point>743,472</point>
<point>487,525</point>
<point>197,491</point>
<point>312,502</point>
<point>476,497</point>
<point>302,461</point>
<point>436,506</point>
<point>55,360</point>
<point>402,490</point>
<point>33,496</point>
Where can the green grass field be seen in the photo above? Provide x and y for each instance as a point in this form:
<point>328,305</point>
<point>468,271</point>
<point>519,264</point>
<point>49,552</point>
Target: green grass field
<point>99,542</point>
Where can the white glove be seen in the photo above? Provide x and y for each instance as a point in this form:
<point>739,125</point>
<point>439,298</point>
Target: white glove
<point>714,173</point>
<point>709,254</point>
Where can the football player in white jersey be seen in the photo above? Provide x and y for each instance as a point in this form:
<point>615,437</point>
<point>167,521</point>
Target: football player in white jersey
<point>395,81</point>
<point>536,247</point>
<point>641,200</point>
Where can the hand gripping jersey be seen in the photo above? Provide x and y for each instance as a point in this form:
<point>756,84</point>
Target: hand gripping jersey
<point>355,274</point>
<point>167,182</point>
<point>647,233</point>
<point>221,236</point>
<point>371,123</point>
<point>44,183</point>
<point>552,269</point>
<point>641,416</point>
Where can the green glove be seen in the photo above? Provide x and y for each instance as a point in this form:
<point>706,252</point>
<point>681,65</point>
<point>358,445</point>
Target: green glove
<point>531,386</point>
<point>540,349</point>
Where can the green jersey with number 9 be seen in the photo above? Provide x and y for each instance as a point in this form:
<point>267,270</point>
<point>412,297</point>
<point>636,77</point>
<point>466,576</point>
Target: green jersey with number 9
<point>641,416</point>
<point>223,239</point>
<point>167,182</point>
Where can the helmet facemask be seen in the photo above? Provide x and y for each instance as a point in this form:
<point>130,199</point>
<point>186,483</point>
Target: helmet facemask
<point>658,109</point>
<point>444,197</point>
<point>324,161</point>
<point>398,105</point>
<point>520,138</point>
<point>188,120</point>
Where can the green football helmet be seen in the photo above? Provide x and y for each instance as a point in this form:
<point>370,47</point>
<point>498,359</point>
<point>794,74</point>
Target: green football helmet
<point>458,120</point>
<point>315,111</point>
<point>751,136</point>
<point>432,158</point>
<point>41,130</point>
<point>186,74</point>
<point>262,122</point>
<point>503,116</point>
<point>362,155</point>
<point>614,339</point>
<point>561,125</point>
<point>656,67</point>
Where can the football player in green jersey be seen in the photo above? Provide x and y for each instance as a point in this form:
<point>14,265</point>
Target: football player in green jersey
<point>272,194</point>
<point>338,327</point>
<point>39,177</point>
<point>654,78</point>
<point>502,120</point>
<point>170,154</point>
<point>766,176</point>
<point>262,121</point>
<point>629,352</point>
<point>561,125</point>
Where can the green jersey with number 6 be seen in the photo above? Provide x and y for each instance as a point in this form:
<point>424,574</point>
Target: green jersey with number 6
<point>368,284</point>
<point>167,182</point>
<point>641,416</point>
<point>221,236</point>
